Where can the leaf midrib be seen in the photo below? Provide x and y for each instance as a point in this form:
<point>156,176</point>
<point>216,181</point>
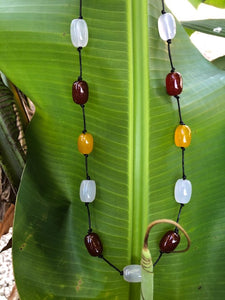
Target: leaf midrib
<point>138,129</point>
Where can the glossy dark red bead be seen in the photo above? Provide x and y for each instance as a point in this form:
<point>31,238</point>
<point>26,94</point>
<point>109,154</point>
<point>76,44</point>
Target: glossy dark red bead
<point>80,92</point>
<point>169,241</point>
<point>93,244</point>
<point>174,83</point>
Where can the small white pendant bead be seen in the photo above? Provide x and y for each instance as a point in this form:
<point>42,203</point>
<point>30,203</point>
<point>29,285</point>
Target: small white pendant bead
<point>132,273</point>
<point>79,33</point>
<point>182,191</point>
<point>167,26</point>
<point>87,191</point>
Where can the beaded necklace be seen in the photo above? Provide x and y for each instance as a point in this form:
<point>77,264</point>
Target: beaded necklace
<point>183,188</point>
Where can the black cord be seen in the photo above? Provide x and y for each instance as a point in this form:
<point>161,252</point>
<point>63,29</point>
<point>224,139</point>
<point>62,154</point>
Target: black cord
<point>157,260</point>
<point>89,217</point>
<point>80,17</point>
<point>178,217</point>
<point>80,60</point>
<point>184,176</point>
<point>86,166</point>
<point>110,264</point>
<point>170,56</point>
<point>179,110</point>
<point>84,118</point>
<point>163,8</point>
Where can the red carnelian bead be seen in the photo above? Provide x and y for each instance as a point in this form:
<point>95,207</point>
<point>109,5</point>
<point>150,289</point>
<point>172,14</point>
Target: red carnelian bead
<point>174,83</point>
<point>80,92</point>
<point>93,244</point>
<point>169,241</point>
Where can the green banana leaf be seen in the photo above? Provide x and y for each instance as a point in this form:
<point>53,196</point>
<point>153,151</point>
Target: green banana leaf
<point>134,162</point>
<point>212,26</point>
<point>220,62</point>
<point>196,3</point>
<point>217,3</point>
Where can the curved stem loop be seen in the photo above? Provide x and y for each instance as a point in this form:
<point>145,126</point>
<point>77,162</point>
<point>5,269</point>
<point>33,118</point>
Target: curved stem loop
<point>156,222</point>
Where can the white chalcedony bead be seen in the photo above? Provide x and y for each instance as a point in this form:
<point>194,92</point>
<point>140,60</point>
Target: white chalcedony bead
<point>132,273</point>
<point>79,33</point>
<point>182,191</point>
<point>87,191</point>
<point>167,26</point>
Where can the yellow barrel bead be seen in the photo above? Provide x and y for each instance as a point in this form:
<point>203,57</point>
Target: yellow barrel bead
<point>182,136</point>
<point>85,143</point>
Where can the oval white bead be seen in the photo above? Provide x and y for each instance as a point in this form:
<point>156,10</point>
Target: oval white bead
<point>132,273</point>
<point>87,191</point>
<point>182,191</point>
<point>79,33</point>
<point>167,26</point>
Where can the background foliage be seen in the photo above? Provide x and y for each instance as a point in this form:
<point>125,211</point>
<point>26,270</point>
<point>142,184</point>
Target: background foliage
<point>217,3</point>
<point>134,162</point>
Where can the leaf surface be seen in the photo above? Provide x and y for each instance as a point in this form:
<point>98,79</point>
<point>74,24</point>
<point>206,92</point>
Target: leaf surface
<point>209,26</point>
<point>219,62</point>
<point>217,3</point>
<point>196,3</point>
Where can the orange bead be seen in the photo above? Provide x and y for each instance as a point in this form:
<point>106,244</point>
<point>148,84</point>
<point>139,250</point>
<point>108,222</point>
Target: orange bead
<point>85,143</point>
<point>182,136</point>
